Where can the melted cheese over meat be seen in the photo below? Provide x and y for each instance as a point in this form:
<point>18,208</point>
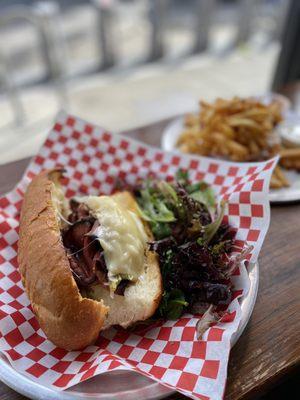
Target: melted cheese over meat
<point>122,237</point>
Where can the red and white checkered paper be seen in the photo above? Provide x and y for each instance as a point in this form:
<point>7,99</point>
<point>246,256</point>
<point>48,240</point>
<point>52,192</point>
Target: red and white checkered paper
<point>170,352</point>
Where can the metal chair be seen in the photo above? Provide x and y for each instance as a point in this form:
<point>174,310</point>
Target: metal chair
<point>288,65</point>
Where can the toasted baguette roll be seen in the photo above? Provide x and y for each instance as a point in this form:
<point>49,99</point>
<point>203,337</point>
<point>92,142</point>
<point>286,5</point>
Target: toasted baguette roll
<point>69,319</point>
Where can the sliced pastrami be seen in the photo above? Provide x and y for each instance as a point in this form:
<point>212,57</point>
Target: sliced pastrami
<point>83,248</point>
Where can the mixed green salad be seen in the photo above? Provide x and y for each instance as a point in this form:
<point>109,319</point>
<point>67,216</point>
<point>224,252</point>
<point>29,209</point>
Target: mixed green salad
<point>192,241</point>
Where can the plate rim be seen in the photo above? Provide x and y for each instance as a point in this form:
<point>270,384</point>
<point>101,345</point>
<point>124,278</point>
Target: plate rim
<point>155,390</point>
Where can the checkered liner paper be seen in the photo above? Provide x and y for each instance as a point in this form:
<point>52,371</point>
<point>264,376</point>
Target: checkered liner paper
<point>167,352</point>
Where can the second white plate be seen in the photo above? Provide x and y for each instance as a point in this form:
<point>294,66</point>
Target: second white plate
<point>284,195</point>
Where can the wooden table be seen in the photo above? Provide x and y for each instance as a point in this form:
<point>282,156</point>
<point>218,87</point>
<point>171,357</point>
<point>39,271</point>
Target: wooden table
<point>269,349</point>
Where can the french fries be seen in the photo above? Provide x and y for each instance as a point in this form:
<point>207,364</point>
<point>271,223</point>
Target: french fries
<point>290,158</point>
<point>239,130</point>
<point>278,179</point>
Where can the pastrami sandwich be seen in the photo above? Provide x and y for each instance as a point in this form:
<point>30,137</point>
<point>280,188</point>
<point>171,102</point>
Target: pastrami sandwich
<point>85,263</point>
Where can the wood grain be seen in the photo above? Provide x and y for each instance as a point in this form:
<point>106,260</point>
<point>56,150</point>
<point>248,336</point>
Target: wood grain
<point>269,350</point>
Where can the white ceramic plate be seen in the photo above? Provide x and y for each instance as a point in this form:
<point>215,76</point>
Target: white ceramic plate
<point>117,384</point>
<point>284,195</point>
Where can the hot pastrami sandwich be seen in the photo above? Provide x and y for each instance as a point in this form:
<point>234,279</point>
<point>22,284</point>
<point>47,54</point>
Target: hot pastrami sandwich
<point>85,262</point>
<point>91,262</point>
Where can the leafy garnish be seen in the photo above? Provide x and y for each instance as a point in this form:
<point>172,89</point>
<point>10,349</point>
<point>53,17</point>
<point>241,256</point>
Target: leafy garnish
<point>152,208</point>
<point>236,259</point>
<point>209,317</point>
<point>160,230</point>
<point>199,191</point>
<point>211,229</point>
<point>172,304</point>
<point>182,177</point>
<point>205,196</point>
<point>219,247</point>
<point>168,191</point>
<point>191,240</point>
<point>195,187</point>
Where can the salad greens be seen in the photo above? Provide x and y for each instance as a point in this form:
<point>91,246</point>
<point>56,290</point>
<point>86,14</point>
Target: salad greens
<point>172,304</point>
<point>191,241</point>
<point>211,229</point>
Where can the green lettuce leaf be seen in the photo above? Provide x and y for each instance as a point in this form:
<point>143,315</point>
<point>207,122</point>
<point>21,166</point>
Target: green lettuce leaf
<point>211,229</point>
<point>152,208</point>
<point>206,196</point>
<point>172,304</point>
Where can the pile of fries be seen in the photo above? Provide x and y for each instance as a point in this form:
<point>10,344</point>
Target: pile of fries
<point>238,130</point>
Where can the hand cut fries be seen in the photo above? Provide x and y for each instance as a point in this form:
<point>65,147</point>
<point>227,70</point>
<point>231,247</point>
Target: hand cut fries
<point>239,130</point>
<point>290,158</point>
<point>278,179</point>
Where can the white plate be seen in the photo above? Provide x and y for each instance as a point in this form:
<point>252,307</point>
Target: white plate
<point>117,384</point>
<point>171,134</point>
<point>284,195</point>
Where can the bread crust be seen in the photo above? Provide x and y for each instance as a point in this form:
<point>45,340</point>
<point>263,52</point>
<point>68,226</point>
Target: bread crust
<point>68,320</point>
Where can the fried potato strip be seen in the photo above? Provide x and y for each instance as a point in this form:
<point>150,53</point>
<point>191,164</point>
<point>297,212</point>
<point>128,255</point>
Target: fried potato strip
<point>238,130</point>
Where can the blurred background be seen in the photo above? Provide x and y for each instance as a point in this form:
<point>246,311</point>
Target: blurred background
<point>126,63</point>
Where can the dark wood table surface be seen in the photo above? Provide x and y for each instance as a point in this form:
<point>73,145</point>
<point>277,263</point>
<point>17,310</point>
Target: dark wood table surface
<point>269,350</point>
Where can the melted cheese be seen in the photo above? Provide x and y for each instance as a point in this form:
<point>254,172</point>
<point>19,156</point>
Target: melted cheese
<point>122,237</point>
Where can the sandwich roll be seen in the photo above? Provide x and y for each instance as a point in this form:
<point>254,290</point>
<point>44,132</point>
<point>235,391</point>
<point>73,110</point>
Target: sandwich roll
<point>84,262</point>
